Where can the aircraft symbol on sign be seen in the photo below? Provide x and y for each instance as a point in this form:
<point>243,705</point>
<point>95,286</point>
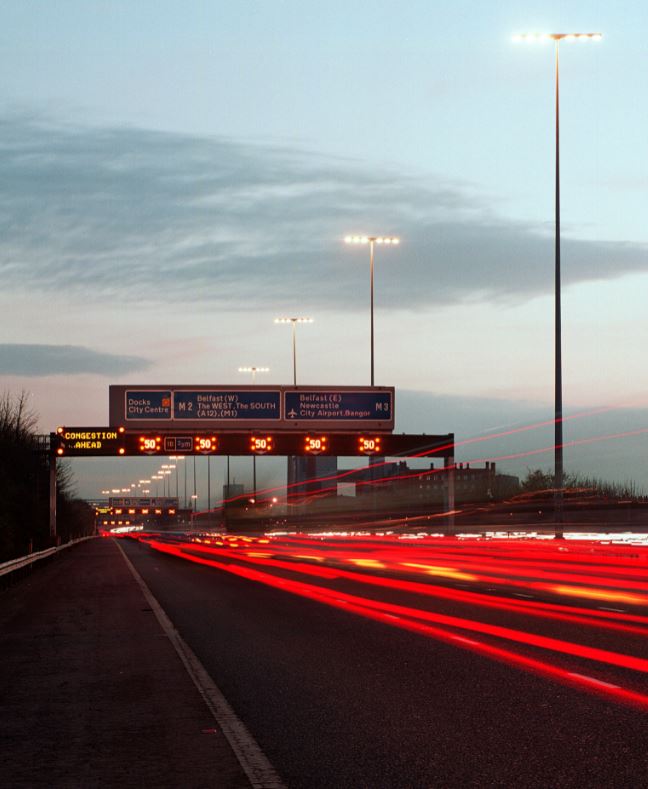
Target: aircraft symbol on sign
<point>292,413</point>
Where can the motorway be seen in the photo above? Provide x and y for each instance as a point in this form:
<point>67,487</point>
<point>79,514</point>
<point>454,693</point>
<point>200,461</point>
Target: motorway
<point>393,662</point>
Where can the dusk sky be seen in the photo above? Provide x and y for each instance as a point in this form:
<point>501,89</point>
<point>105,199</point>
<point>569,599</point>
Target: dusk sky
<point>174,175</point>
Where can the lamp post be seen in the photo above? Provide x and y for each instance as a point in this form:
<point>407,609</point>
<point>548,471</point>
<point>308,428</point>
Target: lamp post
<point>254,371</point>
<point>558,410</point>
<point>193,509</point>
<point>167,480</point>
<point>372,241</point>
<point>177,459</point>
<point>174,466</point>
<point>294,322</point>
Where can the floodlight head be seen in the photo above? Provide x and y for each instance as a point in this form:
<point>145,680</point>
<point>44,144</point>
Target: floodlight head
<point>371,240</point>
<point>533,38</point>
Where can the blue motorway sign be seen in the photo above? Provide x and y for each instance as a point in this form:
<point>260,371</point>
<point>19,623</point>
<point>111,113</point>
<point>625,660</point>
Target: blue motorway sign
<point>150,404</point>
<point>222,405</point>
<point>341,406</point>
<point>187,408</point>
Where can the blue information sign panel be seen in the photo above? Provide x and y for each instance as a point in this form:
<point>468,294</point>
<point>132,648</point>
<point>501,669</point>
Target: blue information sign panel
<point>214,406</point>
<point>229,408</point>
<point>148,404</point>
<point>342,406</point>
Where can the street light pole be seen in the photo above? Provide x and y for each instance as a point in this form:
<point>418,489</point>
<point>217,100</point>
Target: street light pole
<point>164,469</point>
<point>558,406</point>
<point>294,322</point>
<point>294,347</point>
<point>372,240</point>
<point>558,412</point>
<point>178,459</point>
<point>254,371</point>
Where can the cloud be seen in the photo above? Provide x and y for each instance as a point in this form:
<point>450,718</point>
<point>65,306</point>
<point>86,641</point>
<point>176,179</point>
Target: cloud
<point>135,214</point>
<point>39,360</point>
<point>607,443</point>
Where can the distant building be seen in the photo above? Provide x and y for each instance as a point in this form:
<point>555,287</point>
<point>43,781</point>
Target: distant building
<point>472,484</point>
<point>232,491</point>
<point>307,474</point>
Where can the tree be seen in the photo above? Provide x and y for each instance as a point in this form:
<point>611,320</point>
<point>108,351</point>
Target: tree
<point>537,479</point>
<point>23,479</point>
<point>24,485</point>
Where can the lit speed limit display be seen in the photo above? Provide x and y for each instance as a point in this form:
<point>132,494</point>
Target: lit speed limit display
<point>314,445</point>
<point>260,445</point>
<point>370,445</point>
<point>205,445</point>
<point>150,445</point>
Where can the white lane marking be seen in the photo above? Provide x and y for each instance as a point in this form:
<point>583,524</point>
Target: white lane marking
<point>254,762</point>
<point>519,594</point>
<point>391,616</point>
<point>616,610</point>
<point>593,680</point>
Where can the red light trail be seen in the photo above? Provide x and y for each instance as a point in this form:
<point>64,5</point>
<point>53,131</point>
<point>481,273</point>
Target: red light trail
<point>587,659</point>
<point>285,490</point>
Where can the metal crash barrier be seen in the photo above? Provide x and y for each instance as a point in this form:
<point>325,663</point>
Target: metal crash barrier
<point>24,561</point>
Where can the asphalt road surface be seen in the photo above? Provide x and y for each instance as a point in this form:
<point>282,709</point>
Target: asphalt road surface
<point>340,690</point>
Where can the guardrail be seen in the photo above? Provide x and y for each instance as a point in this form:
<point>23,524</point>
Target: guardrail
<point>23,561</point>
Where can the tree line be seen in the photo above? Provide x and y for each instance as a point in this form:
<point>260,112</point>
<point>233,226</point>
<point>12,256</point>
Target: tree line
<point>538,480</point>
<point>24,486</point>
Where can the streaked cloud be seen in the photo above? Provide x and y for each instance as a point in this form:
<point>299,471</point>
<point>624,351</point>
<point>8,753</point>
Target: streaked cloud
<point>40,360</point>
<point>129,213</point>
<point>607,443</point>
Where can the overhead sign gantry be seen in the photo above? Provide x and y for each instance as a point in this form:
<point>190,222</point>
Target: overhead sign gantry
<point>120,442</point>
<point>249,420</point>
